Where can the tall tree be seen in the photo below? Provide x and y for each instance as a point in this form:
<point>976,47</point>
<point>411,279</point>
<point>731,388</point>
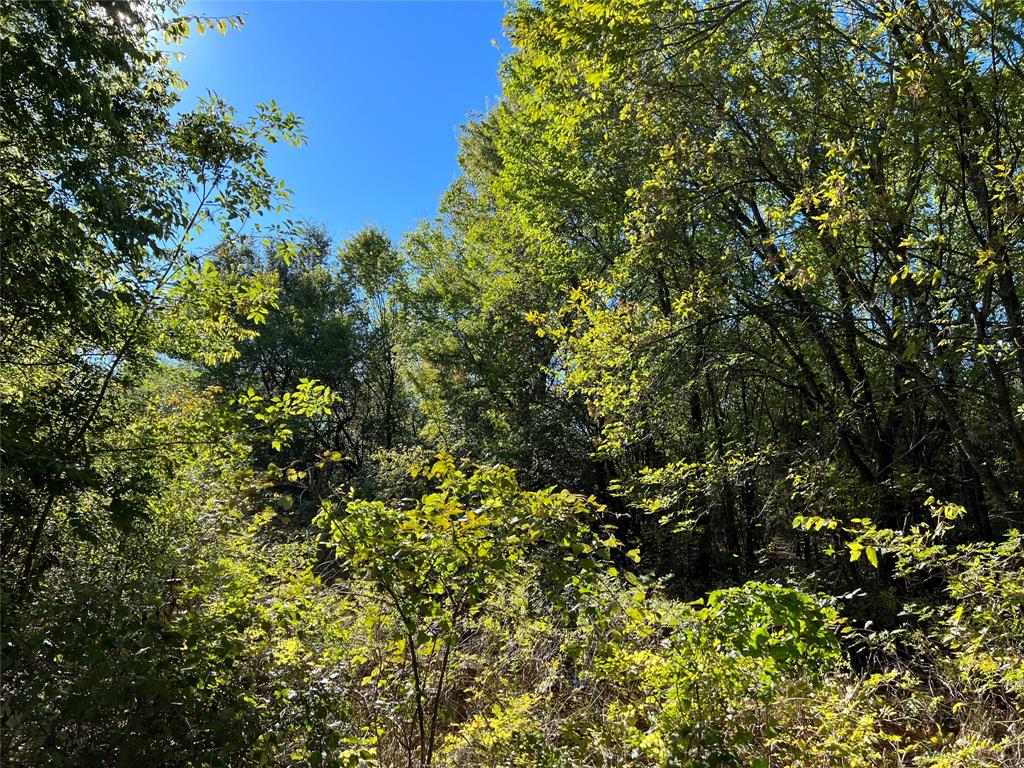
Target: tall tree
<point>806,224</point>
<point>334,323</point>
<point>774,248</point>
<point>104,191</point>
<point>482,374</point>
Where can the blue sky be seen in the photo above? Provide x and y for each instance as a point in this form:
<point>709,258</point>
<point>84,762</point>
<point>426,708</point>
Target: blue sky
<point>382,87</point>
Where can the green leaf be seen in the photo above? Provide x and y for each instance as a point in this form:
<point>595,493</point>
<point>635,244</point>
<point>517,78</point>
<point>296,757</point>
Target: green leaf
<point>872,555</point>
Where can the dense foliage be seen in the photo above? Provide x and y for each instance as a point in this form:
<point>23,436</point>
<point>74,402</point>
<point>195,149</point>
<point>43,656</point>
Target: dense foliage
<point>689,433</point>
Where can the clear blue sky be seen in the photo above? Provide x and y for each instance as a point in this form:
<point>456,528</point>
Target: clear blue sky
<point>382,87</point>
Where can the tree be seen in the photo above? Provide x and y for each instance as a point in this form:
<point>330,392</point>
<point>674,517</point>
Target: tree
<point>437,562</point>
<point>793,234</point>
<point>334,322</point>
<point>105,190</point>
<point>481,373</point>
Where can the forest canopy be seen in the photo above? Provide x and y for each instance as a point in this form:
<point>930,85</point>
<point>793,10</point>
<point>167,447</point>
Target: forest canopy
<point>688,432</point>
